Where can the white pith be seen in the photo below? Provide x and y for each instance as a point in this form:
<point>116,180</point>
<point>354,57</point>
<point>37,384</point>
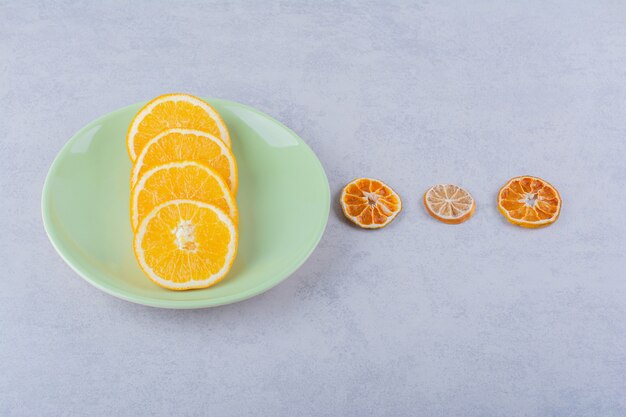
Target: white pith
<point>185,236</point>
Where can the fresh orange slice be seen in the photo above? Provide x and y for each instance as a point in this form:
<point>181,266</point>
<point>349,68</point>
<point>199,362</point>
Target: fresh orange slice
<point>188,180</point>
<point>173,111</point>
<point>185,244</point>
<point>370,203</point>
<point>449,203</point>
<point>529,202</point>
<point>187,145</point>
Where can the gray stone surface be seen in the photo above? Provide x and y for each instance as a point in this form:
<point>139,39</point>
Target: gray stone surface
<point>419,319</point>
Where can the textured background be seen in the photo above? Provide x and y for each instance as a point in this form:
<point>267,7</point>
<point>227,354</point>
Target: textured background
<point>421,318</point>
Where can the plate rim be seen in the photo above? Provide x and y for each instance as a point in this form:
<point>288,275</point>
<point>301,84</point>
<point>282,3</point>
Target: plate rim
<point>180,304</point>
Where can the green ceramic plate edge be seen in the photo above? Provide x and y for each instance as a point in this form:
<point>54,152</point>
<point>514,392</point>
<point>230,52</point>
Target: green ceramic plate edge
<point>177,304</point>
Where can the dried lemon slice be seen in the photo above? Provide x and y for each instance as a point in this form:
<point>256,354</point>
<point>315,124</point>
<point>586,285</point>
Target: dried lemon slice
<point>449,203</point>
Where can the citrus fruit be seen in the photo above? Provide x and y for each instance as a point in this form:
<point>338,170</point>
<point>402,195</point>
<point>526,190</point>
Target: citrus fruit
<point>188,180</point>
<point>173,111</point>
<point>185,244</point>
<point>529,202</point>
<point>449,203</point>
<point>187,145</point>
<point>370,203</point>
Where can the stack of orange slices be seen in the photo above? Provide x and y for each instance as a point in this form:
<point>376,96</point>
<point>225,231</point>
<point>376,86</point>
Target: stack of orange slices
<point>183,182</point>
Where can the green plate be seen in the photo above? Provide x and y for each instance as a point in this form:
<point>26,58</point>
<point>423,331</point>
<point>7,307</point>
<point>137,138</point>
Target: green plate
<point>283,199</point>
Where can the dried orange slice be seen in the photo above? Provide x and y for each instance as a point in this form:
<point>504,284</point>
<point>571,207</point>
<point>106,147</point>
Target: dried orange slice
<point>185,244</point>
<point>188,180</point>
<point>529,202</point>
<point>449,203</point>
<point>187,145</point>
<point>370,203</point>
<point>173,111</point>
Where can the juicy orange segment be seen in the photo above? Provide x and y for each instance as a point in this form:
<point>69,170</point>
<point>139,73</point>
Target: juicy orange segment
<point>529,202</point>
<point>449,203</point>
<point>173,111</point>
<point>187,145</point>
<point>180,180</point>
<point>370,203</point>
<point>185,244</point>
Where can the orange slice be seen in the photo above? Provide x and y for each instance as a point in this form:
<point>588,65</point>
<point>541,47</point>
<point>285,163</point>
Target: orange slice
<point>188,180</point>
<point>370,203</point>
<point>173,111</point>
<point>187,145</point>
<point>529,202</point>
<point>185,244</point>
<point>449,203</point>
